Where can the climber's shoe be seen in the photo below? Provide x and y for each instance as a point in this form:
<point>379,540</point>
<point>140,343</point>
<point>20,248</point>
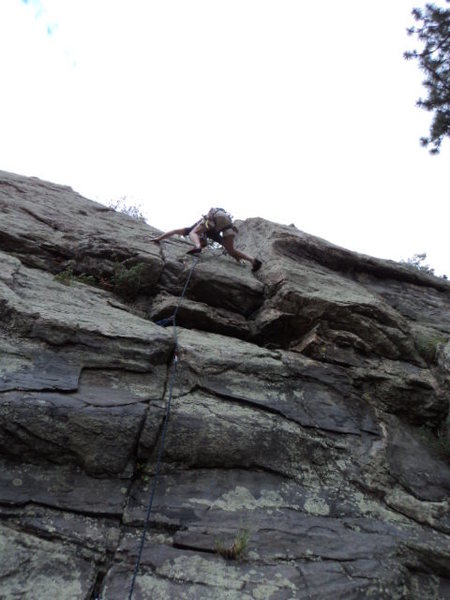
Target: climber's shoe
<point>194,251</point>
<point>256,265</point>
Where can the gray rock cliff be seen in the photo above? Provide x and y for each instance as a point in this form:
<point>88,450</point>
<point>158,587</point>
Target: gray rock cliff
<point>307,448</point>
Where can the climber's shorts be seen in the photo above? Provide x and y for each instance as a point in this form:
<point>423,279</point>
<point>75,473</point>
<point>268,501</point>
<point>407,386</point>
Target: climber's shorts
<point>187,230</point>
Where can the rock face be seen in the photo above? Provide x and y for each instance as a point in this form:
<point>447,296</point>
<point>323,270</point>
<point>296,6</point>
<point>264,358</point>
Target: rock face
<point>305,455</point>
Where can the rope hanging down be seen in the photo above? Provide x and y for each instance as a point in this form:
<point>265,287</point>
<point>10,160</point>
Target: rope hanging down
<point>173,374</point>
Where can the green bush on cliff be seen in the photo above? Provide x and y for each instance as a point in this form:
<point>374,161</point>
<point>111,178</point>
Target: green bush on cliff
<point>427,345</point>
<point>127,281</point>
<point>67,276</point>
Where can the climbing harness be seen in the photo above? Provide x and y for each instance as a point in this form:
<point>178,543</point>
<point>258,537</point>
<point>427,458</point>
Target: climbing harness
<point>175,361</point>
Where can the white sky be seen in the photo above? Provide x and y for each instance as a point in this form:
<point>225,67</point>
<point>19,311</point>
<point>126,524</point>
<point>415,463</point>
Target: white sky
<point>299,112</point>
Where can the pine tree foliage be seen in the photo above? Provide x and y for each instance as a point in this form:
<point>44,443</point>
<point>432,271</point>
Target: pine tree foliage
<point>432,30</point>
<point>122,205</point>
<point>418,262</point>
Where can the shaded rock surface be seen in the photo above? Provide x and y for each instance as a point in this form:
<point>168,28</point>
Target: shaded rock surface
<point>308,419</point>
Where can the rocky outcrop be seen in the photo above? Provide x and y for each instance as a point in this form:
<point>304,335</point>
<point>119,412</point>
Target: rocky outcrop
<point>306,453</point>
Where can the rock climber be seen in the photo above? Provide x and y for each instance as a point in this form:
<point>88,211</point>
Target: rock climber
<point>218,226</point>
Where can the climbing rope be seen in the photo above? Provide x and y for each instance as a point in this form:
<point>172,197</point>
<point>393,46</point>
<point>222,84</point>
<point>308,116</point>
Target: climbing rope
<point>173,374</point>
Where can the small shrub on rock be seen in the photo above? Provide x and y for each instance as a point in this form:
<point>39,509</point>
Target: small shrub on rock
<point>427,346</point>
<point>67,276</point>
<point>127,281</point>
<point>237,549</point>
